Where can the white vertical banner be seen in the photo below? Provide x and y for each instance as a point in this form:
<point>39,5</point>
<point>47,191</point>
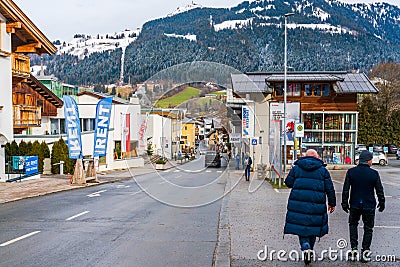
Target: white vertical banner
<point>125,138</point>
<point>247,122</point>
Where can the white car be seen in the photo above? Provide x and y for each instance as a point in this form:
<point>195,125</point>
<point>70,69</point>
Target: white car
<point>398,154</point>
<point>378,158</point>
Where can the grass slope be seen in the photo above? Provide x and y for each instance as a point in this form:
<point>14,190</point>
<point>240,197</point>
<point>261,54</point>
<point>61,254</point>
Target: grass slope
<point>178,99</point>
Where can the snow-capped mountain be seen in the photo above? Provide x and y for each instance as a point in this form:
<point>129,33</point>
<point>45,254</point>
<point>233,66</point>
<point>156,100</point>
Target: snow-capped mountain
<point>324,35</point>
<point>84,45</point>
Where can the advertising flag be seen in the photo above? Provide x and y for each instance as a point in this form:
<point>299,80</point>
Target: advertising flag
<point>72,127</point>
<point>247,122</point>
<point>126,133</point>
<point>103,116</point>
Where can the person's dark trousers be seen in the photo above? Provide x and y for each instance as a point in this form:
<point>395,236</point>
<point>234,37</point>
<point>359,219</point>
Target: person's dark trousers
<point>307,239</point>
<point>368,218</point>
<point>247,173</point>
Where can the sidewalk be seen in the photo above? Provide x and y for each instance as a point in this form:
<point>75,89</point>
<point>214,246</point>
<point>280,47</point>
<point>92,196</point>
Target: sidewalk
<point>48,184</point>
<point>253,220</point>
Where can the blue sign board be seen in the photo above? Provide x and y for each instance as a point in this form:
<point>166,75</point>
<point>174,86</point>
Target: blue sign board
<point>254,141</point>
<point>72,127</point>
<point>31,164</point>
<point>103,116</point>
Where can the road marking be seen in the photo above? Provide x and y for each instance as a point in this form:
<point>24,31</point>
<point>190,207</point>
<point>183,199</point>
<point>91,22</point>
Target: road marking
<point>137,192</point>
<point>167,170</point>
<point>163,182</point>
<point>208,171</point>
<point>96,194</point>
<point>276,190</point>
<point>19,238</point>
<point>391,183</point>
<point>219,171</point>
<point>341,182</point>
<point>387,227</point>
<point>77,215</point>
<point>177,170</point>
<point>123,186</point>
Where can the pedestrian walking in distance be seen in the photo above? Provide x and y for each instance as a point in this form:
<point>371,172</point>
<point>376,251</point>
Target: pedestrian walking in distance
<point>360,183</point>
<point>307,215</point>
<point>247,163</point>
<point>237,158</point>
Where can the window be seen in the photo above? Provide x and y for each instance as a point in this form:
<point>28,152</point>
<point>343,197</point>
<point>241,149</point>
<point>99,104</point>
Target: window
<point>293,89</point>
<point>278,89</point>
<point>308,89</point>
<point>326,89</point>
<point>317,89</point>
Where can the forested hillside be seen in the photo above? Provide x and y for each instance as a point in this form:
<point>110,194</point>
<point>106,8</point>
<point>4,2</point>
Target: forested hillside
<point>322,35</point>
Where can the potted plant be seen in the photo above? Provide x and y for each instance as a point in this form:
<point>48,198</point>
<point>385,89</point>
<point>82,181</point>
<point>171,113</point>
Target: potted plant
<point>160,164</point>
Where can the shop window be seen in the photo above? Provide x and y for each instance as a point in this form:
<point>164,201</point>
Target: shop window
<point>312,137</point>
<point>293,89</point>
<point>326,89</point>
<point>313,121</point>
<point>333,122</point>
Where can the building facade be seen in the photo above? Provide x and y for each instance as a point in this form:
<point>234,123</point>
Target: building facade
<point>22,102</point>
<point>324,102</point>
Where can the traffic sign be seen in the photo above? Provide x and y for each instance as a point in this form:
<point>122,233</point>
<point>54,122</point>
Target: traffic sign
<point>254,141</point>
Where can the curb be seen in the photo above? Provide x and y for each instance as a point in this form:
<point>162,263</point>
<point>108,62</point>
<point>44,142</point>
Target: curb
<point>222,252</point>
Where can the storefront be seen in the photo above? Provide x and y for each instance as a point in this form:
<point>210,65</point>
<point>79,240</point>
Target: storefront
<point>332,134</point>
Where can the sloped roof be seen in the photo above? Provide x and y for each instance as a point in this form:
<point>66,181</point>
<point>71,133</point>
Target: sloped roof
<point>44,91</point>
<point>355,83</point>
<point>116,100</point>
<point>347,83</point>
<point>26,37</point>
<point>254,83</point>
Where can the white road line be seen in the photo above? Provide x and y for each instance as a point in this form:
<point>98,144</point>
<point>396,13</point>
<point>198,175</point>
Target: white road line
<point>19,238</point>
<point>96,194</point>
<point>137,192</point>
<point>219,171</point>
<point>276,190</point>
<point>77,215</point>
<point>208,171</point>
<point>387,227</point>
<point>177,170</point>
<point>163,182</point>
<point>391,183</point>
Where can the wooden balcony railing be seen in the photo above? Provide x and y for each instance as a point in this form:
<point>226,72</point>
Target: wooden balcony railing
<point>21,65</point>
<point>27,116</point>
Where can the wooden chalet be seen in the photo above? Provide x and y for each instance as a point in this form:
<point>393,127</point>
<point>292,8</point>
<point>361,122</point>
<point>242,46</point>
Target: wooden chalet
<point>30,99</point>
<point>326,103</point>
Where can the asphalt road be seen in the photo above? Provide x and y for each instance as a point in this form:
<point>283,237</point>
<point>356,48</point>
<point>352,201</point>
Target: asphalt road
<point>168,218</point>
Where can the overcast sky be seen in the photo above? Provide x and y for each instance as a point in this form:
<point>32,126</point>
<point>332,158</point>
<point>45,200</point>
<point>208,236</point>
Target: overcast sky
<point>61,19</point>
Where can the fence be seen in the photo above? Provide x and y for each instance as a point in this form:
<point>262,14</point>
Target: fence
<point>25,166</point>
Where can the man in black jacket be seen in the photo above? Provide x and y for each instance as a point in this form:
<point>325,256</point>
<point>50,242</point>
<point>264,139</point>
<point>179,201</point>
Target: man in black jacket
<point>363,181</point>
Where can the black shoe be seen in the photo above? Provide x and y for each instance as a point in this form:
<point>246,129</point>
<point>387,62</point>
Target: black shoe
<point>307,257</point>
<point>353,254</point>
<point>365,256</point>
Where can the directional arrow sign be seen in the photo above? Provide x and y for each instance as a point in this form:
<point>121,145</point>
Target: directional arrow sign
<point>96,194</point>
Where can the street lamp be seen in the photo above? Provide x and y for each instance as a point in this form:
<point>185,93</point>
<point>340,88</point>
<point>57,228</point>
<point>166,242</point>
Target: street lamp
<point>285,96</point>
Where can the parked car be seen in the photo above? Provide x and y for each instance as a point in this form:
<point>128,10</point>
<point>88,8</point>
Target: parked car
<point>376,147</point>
<point>398,154</point>
<point>361,147</point>
<point>392,149</point>
<point>378,158</point>
<point>212,159</point>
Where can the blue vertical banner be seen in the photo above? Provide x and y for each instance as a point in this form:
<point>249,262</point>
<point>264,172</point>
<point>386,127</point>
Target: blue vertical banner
<point>72,127</point>
<point>103,117</point>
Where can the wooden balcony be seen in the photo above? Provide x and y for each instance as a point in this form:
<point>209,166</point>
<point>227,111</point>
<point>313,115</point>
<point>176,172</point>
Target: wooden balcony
<point>21,65</point>
<point>27,116</point>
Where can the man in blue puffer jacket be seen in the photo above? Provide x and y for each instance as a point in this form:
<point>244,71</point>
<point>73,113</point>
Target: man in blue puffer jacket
<point>306,210</point>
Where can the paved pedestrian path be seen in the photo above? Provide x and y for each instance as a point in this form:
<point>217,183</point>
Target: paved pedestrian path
<point>254,215</point>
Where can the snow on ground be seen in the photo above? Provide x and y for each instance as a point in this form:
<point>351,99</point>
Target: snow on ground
<point>191,37</point>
